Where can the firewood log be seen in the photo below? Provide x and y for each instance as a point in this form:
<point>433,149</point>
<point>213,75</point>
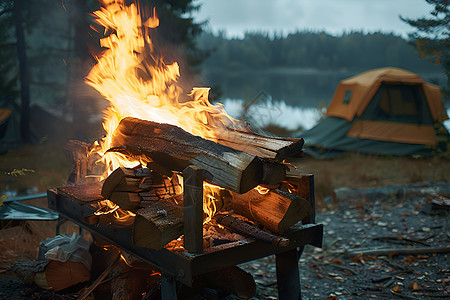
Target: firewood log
<point>264,147</point>
<point>277,210</point>
<point>134,188</point>
<point>248,229</point>
<point>127,180</point>
<point>158,224</point>
<point>176,149</point>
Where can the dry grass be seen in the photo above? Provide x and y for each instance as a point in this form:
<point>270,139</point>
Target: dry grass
<point>358,170</point>
<point>46,162</point>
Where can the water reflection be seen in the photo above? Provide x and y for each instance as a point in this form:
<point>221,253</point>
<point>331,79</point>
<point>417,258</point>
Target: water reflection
<point>289,98</point>
<point>296,87</point>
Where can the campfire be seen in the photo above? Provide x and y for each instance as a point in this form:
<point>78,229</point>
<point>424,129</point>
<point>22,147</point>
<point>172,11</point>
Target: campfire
<point>176,182</point>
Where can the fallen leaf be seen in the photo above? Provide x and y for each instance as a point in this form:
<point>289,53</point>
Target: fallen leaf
<point>410,259</point>
<point>396,288</point>
<point>320,276</point>
<point>414,286</point>
<point>338,278</point>
<point>337,261</point>
<point>332,297</point>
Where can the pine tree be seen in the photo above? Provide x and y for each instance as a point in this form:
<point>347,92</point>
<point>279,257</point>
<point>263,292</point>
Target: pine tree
<point>431,37</point>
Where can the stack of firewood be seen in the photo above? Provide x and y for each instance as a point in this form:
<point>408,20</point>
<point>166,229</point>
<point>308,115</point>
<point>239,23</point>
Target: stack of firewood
<point>238,163</point>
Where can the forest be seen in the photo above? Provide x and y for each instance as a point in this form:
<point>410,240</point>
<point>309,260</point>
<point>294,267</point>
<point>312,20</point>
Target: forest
<point>309,49</point>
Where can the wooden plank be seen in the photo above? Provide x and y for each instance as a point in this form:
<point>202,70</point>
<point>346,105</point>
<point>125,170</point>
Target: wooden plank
<point>193,209</point>
<point>158,224</point>
<point>303,185</point>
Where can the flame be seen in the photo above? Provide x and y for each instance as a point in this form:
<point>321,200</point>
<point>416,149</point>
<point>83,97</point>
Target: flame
<point>137,83</point>
<point>109,207</point>
<point>133,77</point>
<point>211,199</point>
<point>262,190</point>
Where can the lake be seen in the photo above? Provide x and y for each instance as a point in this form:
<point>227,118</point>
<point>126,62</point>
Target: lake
<point>291,98</point>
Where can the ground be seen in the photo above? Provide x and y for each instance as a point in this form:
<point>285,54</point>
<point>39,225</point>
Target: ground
<point>369,220</point>
<point>402,220</point>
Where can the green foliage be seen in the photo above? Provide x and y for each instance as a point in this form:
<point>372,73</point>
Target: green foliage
<point>178,28</point>
<point>432,34</point>
<point>319,50</point>
<point>20,172</point>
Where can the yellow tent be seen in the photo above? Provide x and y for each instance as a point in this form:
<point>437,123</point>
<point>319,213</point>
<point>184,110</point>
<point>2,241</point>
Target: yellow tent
<point>384,111</point>
<point>390,104</point>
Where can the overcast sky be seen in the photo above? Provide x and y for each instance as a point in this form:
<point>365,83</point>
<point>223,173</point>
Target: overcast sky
<point>332,16</point>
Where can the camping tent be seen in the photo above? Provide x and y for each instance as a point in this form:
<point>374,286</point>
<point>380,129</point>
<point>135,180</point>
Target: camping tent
<point>384,111</point>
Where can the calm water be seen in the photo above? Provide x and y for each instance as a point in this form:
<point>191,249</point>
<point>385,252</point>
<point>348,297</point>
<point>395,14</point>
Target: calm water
<point>290,98</point>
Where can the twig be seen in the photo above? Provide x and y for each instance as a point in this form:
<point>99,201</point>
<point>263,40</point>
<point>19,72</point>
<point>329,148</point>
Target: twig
<point>397,251</point>
<point>100,278</point>
<point>402,296</point>
<point>344,268</point>
<point>432,295</point>
<point>400,239</point>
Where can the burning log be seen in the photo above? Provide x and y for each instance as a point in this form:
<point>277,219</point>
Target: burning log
<point>158,224</point>
<point>134,188</point>
<point>251,230</point>
<point>264,147</point>
<point>275,209</point>
<point>176,149</point>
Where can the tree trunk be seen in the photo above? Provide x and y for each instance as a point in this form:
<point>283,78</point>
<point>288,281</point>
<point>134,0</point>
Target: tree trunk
<point>23,73</point>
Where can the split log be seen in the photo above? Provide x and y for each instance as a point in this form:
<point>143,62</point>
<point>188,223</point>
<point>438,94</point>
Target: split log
<point>127,180</point>
<point>264,147</point>
<point>251,230</point>
<point>277,210</point>
<point>158,224</point>
<point>134,188</point>
<point>176,149</point>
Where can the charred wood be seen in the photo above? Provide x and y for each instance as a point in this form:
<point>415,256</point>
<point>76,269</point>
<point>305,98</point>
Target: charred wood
<point>248,229</point>
<point>176,149</point>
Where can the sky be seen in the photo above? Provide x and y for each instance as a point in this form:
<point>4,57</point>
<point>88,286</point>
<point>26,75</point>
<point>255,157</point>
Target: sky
<point>236,17</point>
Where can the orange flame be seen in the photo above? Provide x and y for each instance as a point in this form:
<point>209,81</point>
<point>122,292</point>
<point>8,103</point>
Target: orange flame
<point>137,83</point>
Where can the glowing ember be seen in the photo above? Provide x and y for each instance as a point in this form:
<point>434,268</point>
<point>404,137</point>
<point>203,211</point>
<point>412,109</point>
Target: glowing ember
<point>262,190</point>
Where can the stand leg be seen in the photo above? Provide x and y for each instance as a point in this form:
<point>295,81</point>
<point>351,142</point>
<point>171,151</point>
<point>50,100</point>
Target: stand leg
<point>288,275</point>
<point>168,287</point>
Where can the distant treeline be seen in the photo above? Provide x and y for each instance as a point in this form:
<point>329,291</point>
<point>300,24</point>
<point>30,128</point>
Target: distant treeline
<point>355,50</point>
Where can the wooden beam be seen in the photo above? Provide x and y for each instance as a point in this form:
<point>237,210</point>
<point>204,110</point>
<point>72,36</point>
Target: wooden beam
<point>193,209</point>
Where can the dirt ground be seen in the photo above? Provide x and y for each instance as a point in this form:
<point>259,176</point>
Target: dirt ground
<point>395,217</point>
<point>399,217</point>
